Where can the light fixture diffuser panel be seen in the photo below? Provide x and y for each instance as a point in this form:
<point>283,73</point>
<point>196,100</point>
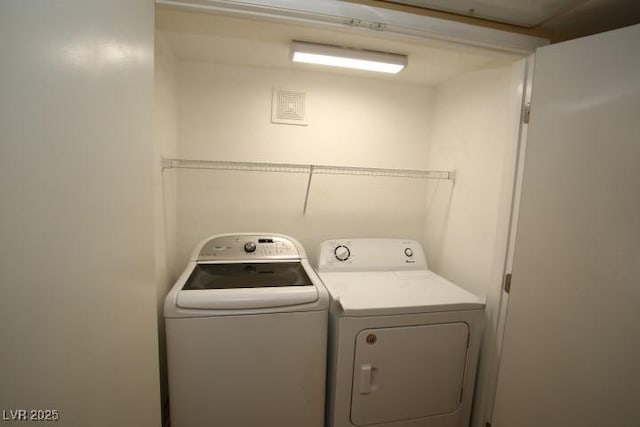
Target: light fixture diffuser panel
<point>288,107</point>
<point>359,59</point>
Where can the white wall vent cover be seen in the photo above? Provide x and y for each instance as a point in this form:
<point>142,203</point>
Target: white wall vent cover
<point>288,107</point>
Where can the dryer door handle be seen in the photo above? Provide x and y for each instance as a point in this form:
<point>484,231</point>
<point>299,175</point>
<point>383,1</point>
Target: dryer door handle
<point>365,379</point>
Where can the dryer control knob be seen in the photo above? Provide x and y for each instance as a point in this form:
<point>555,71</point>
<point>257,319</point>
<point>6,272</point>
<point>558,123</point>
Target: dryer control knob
<point>249,247</point>
<point>342,253</point>
<point>408,252</point>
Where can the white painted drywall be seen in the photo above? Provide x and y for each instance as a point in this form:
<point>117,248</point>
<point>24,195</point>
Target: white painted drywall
<point>474,131</point>
<point>224,114</point>
<point>165,127</point>
<point>77,305</point>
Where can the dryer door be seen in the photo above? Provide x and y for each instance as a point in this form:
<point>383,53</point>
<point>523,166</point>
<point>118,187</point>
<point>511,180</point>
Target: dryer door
<point>408,372</point>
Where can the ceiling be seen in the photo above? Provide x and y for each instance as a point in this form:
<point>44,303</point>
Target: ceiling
<point>555,19</point>
<point>223,39</point>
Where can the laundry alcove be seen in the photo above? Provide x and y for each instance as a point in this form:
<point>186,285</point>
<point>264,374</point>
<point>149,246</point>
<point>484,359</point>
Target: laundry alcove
<point>453,112</point>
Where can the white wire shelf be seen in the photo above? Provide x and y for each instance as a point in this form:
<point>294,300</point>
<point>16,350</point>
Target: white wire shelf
<point>308,169</point>
<point>234,166</point>
<point>304,168</point>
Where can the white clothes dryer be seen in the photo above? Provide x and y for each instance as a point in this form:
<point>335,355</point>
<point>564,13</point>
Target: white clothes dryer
<point>403,341</point>
<point>246,327</point>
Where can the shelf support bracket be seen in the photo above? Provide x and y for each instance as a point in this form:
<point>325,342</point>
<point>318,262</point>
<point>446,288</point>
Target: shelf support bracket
<point>306,196</point>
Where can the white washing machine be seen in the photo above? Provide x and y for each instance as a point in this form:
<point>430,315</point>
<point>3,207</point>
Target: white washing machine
<point>403,341</point>
<point>246,327</point>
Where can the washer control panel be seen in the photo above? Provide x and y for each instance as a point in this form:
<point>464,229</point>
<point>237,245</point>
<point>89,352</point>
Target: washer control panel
<point>249,247</point>
<point>371,255</point>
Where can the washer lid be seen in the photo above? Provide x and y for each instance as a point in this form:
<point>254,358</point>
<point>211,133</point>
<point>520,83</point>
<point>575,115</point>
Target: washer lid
<point>246,285</point>
<point>247,275</point>
<point>247,298</point>
<point>397,292</point>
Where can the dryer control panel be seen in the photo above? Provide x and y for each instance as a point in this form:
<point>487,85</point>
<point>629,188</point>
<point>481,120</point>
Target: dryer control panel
<point>371,255</point>
<point>248,247</point>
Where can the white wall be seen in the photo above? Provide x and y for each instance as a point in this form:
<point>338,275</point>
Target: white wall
<point>474,132</point>
<point>225,113</point>
<point>165,145</point>
<point>77,310</point>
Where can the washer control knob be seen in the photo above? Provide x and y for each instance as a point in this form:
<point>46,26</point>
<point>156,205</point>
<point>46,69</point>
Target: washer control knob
<point>408,252</point>
<point>249,247</point>
<point>342,253</point>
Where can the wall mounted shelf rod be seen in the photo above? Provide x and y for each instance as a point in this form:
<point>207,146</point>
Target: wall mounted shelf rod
<point>305,168</point>
<point>310,170</point>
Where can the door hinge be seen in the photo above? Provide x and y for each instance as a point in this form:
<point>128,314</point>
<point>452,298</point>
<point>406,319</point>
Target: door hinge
<point>507,283</point>
<point>526,113</point>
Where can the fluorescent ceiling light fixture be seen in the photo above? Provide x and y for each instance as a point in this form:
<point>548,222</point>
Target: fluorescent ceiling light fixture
<point>336,56</point>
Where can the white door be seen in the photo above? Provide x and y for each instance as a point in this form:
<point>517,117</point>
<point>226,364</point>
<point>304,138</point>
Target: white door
<point>78,314</point>
<point>571,354</point>
<point>409,372</point>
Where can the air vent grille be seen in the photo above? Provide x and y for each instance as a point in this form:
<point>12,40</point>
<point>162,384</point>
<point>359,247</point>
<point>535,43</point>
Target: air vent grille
<point>288,107</point>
